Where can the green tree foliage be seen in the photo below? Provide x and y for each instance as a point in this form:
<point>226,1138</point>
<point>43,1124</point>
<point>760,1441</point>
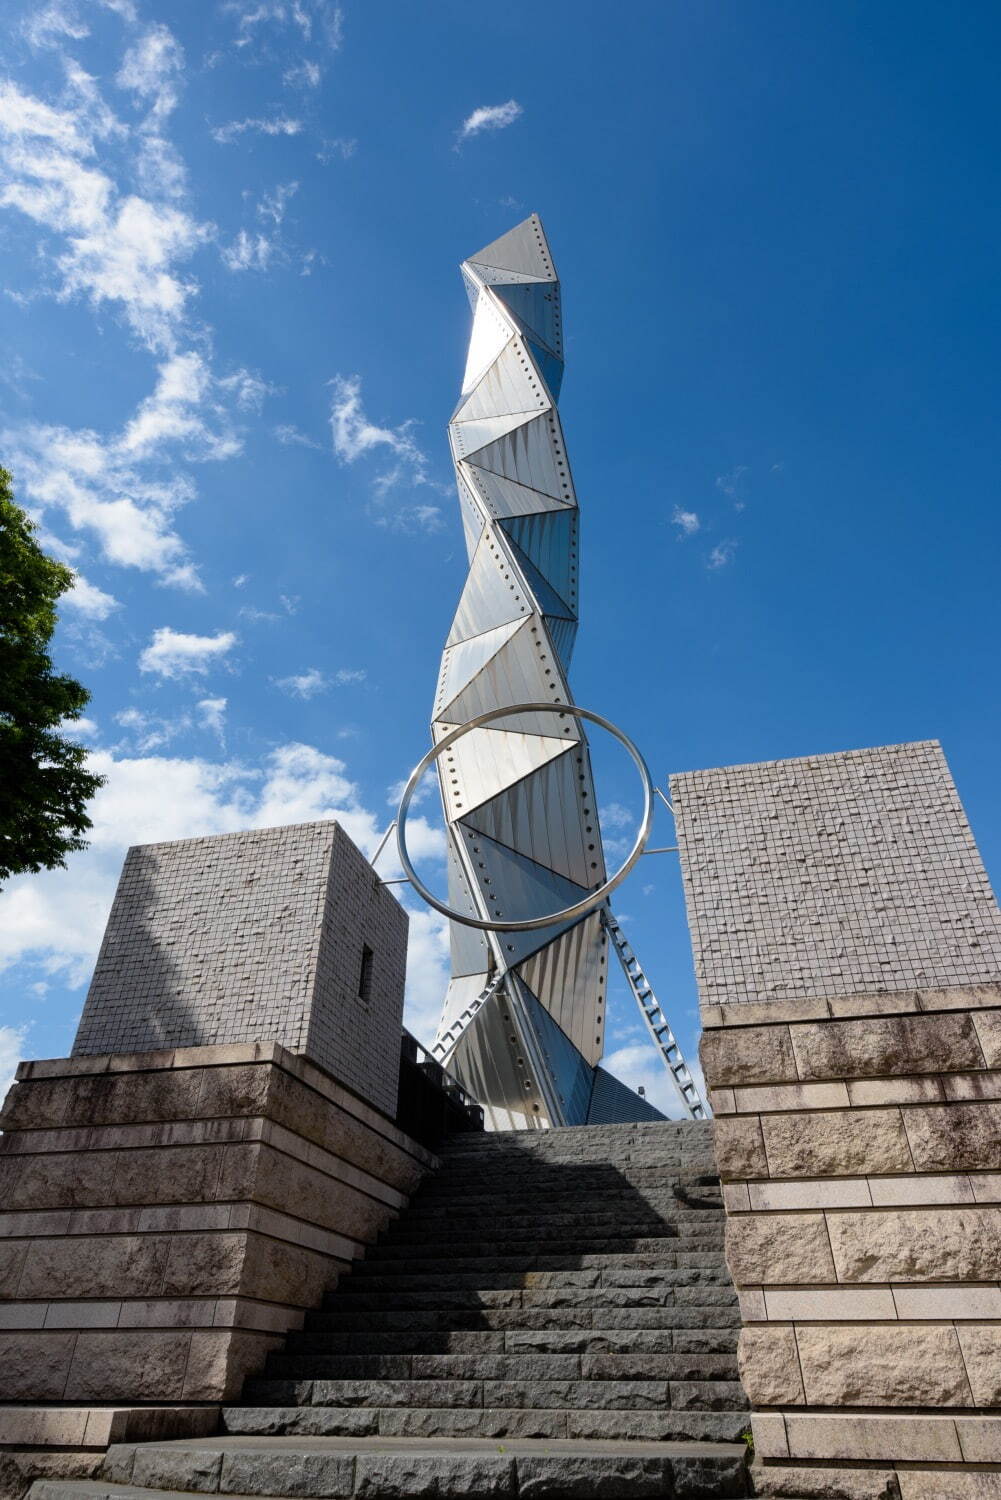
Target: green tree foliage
<point>44,783</point>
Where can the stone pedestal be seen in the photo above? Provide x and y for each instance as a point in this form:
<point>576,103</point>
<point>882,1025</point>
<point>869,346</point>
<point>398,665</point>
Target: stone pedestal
<point>848,951</point>
<point>166,1217</point>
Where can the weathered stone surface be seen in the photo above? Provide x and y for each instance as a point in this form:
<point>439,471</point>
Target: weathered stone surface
<point>740,1150</point>
<point>886,1046</point>
<point>19,1469</point>
<point>64,1180</point>
<point>837,1143</point>
<point>825,1484</point>
<point>778,1248</point>
<point>165,1174</point>
<point>981,1346</point>
<point>177,1468</point>
<point>988,1024</point>
<point>220,1359</point>
<point>872,1436</point>
<point>397,1476</point>
<point>206,1264</point>
<point>258,1471</point>
<point>568,1477</point>
<point>950,1244</point>
<point>751,1054</point>
<point>882,1365</point>
<point>148,1365</point>
<point>35,1365</point>
<point>949,1485</point>
<point>769,1365</point>
<point>99,1266</point>
<point>955,1137</point>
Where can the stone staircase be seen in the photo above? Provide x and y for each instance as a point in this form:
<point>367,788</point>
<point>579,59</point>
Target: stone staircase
<point>551,1316</point>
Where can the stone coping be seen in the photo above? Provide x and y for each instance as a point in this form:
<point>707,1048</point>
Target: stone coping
<point>98,1426</point>
<point>172,1058</point>
<point>881,1003</point>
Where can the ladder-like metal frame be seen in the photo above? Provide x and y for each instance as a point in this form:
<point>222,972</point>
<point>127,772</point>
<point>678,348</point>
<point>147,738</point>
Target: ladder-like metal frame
<point>447,1039</point>
<point>657,1023</point>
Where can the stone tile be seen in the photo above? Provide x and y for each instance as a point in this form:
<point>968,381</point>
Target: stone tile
<point>735,1198</point>
<point>863,1436</point>
<point>865,1092</point>
<point>822,1192</point>
<point>972,1085</point>
<point>831,1304</point>
<point>751,1301</point>
<point>884,1365</point>
<point>740,1150</point>
<point>127,1265</point>
<point>769,1366</point>
<point>770,1440</point>
<point>886,1046</point>
<point>949,1484</point>
<point>149,1366</point>
<point>955,1244</point>
<point>782,1096</point>
<point>988,1024</point>
<point>398,1476</point>
<point>762,1249</point>
<point>955,1137</point>
<point>938,1301</point>
<point>35,1365</point>
<point>980,1439</point>
<point>913,1189</point>
<point>839,1143</point>
<point>747,1055</point>
<point>177,1468</point>
<point>981,1346</point>
<point>986,1186</point>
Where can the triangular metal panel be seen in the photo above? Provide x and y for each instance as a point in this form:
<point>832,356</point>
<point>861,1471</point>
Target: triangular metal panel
<point>483,762</point>
<point>571,1073</point>
<point>461,992</point>
<point>568,978</point>
<point>469,947</point>
<point>523,248</point>
<point>496,275</point>
<point>550,368</point>
<point>534,456</point>
<point>536,306</point>
<point>489,1061</point>
<point>521,671</point>
<point>491,331</point>
<point>472,515</point>
<point>564,634</point>
<point>510,383</point>
<point>505,497</point>
<point>460,663</point>
<point>550,541</point>
<point>492,595</point>
<point>544,817</point>
<point>548,599</point>
<point>467,437</point>
<point>515,887</point>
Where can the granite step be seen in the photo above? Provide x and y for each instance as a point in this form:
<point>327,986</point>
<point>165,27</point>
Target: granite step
<point>308,1364</point>
<point>415,1277</point>
<point>484,1422</point>
<point>603,1366</point>
<point>373,1467</point>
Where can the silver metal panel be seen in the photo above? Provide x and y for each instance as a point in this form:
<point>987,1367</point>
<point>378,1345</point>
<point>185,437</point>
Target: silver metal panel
<point>536,309</point>
<point>523,670</point>
<point>467,437</point>
<point>549,816</point>
<point>511,886</point>
<point>470,950</point>
<point>496,275</point>
<point>473,517</point>
<point>460,663</point>
<point>563,634</point>
<point>492,1063</point>
<point>569,979</point>
<point>524,248</point>
<point>532,455</point>
<point>511,383</point>
<point>491,331</point>
<point>491,596</point>
<point>550,541</point>
<point>483,762</point>
<point>506,497</point>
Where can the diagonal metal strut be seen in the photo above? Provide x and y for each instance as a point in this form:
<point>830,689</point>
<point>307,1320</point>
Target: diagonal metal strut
<point>656,1021</point>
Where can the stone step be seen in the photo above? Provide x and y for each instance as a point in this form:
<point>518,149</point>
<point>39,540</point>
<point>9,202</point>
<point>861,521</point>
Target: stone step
<point>429,1209</point>
<point>501,1422</point>
<point>453,1469</point>
<point>492,1275</point>
<point>494,1319</point>
<point>305,1365</point>
<point>568,1255</point>
<point>547,1224</point>
<point>602,1366</point>
<point>519,1390</point>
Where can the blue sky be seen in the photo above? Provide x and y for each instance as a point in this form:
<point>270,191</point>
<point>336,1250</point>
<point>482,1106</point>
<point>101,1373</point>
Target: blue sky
<point>234,327</point>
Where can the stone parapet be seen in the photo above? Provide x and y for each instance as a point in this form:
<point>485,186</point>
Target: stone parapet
<point>166,1217</point>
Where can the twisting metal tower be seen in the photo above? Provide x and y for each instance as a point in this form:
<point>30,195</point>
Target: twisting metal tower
<point>523,1021</point>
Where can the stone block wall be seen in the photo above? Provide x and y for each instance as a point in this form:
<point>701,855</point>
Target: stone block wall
<point>858,1132</point>
<point>166,1217</point>
<point>255,936</point>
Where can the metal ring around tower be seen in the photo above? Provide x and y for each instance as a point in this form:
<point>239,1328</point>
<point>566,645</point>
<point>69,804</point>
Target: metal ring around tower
<point>580,908</point>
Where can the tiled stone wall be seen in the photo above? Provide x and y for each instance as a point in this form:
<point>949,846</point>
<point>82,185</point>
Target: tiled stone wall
<point>165,1218</point>
<point>250,937</point>
<point>833,875</point>
<point>858,1133</point>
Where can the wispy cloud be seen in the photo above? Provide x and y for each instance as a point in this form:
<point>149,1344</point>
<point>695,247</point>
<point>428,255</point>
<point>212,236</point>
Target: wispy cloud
<point>304,685</point>
<point>687,522</point>
<point>732,485</point>
<point>248,252</point>
<point>146,732</point>
<point>290,436</point>
<point>173,654</point>
<point>212,715</point>
<point>721,554</point>
<point>490,117</point>
<point>226,134</point>
<point>355,436</point>
<point>88,600</point>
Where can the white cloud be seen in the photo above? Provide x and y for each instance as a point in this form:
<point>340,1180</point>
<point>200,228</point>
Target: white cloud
<point>687,521</point>
<point>212,712</point>
<point>732,484</point>
<point>721,554</point>
<point>125,488</point>
<point>146,732</point>
<point>342,147</point>
<point>12,1040</point>
<point>304,685</point>
<point>490,117</point>
<point>52,25</point>
<point>273,205</point>
<point>173,654</point>
<point>248,252</point>
<point>306,75</point>
<point>277,125</point>
<point>151,69</point>
<point>288,436</point>
<point>354,437</point>
<point>428,969</point>
<point>317,21</point>
<point>345,675</point>
<point>87,599</point>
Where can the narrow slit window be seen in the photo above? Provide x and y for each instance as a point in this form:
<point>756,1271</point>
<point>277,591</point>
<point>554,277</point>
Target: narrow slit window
<point>365,976</point>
